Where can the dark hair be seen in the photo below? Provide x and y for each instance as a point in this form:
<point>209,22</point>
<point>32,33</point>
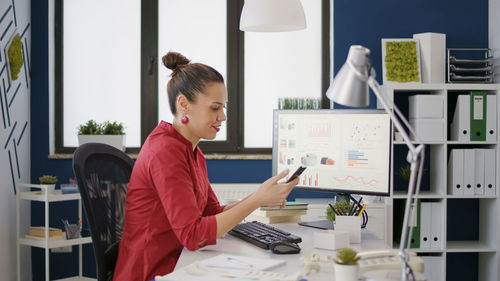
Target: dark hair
<point>190,79</point>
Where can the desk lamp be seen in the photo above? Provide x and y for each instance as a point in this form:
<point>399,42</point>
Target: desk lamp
<point>272,16</point>
<point>350,88</point>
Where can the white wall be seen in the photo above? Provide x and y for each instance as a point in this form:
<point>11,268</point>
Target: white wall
<point>494,34</point>
<point>15,130</point>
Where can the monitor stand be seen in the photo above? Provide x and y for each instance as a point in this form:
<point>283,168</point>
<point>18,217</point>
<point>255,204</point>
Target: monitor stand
<point>322,224</point>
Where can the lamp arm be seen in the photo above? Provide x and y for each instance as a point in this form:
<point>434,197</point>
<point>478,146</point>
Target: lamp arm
<point>415,158</point>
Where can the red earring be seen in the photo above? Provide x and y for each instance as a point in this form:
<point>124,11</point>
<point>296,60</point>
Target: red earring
<point>185,120</point>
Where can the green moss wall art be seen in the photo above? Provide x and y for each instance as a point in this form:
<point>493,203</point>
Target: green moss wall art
<point>15,54</point>
<point>401,61</point>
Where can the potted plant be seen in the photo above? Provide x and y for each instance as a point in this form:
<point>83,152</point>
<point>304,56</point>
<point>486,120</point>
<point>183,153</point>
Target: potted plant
<point>112,133</point>
<point>342,205</point>
<point>48,181</point>
<point>346,265</point>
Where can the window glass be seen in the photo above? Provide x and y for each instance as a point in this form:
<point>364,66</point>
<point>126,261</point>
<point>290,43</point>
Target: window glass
<point>101,65</point>
<point>196,29</point>
<point>278,65</point>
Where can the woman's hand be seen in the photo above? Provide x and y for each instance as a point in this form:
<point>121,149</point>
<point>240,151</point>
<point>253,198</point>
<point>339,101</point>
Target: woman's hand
<point>273,193</point>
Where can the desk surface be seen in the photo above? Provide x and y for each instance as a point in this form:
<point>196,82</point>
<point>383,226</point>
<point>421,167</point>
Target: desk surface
<point>234,246</point>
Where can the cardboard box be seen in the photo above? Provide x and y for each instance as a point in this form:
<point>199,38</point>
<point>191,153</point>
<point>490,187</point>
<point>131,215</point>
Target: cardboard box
<point>429,129</point>
<point>426,106</point>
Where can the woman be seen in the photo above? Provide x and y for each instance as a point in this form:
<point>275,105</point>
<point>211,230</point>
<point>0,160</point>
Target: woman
<point>170,204</point>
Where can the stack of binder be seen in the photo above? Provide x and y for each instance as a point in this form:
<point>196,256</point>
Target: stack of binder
<point>475,118</point>
<point>290,213</point>
<point>472,171</point>
<point>427,224</point>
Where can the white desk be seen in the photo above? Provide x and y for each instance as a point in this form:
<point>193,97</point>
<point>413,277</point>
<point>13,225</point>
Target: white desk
<point>235,246</point>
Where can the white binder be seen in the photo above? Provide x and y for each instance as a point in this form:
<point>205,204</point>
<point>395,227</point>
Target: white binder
<point>460,127</point>
<point>456,172</point>
<point>479,171</point>
<point>491,118</point>
<point>425,225</point>
<point>490,167</point>
<point>436,223</point>
<point>469,161</point>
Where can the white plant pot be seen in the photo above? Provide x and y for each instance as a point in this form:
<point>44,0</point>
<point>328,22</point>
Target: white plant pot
<point>346,272</point>
<point>49,187</point>
<point>117,141</point>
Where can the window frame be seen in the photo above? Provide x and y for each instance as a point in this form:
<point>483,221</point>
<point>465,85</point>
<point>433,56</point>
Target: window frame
<point>149,77</point>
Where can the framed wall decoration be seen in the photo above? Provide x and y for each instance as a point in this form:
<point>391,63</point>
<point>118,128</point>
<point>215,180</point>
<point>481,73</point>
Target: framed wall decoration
<point>401,61</point>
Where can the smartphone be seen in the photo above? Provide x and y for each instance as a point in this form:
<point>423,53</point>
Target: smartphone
<point>296,173</point>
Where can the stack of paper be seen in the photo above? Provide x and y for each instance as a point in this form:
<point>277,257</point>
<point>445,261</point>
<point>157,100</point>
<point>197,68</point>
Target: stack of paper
<point>229,267</point>
<point>290,213</point>
<point>38,233</point>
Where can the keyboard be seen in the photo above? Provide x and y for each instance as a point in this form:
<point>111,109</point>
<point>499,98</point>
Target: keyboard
<point>262,235</point>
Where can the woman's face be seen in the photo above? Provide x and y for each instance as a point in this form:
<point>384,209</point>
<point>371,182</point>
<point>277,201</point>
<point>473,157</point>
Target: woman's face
<point>206,114</point>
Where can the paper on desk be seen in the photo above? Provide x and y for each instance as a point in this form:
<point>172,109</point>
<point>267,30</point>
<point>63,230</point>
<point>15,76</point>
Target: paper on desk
<point>239,262</point>
<point>197,271</point>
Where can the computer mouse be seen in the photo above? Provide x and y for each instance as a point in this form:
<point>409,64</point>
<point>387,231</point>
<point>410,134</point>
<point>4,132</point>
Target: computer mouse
<point>284,247</point>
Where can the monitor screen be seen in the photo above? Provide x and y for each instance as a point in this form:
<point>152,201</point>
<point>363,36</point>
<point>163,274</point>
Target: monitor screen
<point>345,151</point>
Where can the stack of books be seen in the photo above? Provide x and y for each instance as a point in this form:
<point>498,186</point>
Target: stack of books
<point>38,233</point>
<point>274,214</point>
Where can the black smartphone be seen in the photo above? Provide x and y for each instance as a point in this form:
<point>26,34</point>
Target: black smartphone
<point>296,173</point>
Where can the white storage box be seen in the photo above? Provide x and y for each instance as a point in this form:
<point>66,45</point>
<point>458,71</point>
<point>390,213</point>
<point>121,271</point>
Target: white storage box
<point>425,106</point>
<point>331,239</point>
<point>431,129</point>
<point>432,56</point>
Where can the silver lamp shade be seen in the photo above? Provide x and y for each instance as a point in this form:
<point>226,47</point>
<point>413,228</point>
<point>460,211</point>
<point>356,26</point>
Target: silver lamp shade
<point>350,87</point>
<point>272,16</point>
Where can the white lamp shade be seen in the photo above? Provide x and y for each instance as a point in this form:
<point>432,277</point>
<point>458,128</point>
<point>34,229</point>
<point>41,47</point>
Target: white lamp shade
<point>350,86</point>
<point>272,16</point>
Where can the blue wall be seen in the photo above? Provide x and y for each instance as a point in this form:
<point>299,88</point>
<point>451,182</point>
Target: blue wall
<point>362,22</point>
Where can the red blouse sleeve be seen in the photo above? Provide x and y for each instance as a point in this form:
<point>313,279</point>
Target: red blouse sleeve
<point>170,173</point>
<point>213,206</point>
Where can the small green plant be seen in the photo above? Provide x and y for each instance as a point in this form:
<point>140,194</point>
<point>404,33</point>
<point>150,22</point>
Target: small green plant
<point>113,128</point>
<point>342,205</point>
<point>347,256</point>
<point>48,179</point>
<point>15,54</point>
<point>404,173</point>
<point>105,128</point>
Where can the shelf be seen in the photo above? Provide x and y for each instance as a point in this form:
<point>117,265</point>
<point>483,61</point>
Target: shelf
<point>468,247</point>
<point>471,196</point>
<point>422,195</point>
<point>472,142</point>
<point>54,196</point>
<point>54,243</point>
<point>431,87</point>
<point>415,142</point>
<point>77,278</point>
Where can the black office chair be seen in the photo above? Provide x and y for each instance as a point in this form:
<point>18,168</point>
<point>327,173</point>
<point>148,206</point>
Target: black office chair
<point>102,173</point>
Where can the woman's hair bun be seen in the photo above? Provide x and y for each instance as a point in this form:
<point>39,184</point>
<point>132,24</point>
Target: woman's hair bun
<point>173,59</point>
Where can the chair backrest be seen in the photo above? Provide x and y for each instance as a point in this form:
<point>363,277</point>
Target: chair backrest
<point>102,173</point>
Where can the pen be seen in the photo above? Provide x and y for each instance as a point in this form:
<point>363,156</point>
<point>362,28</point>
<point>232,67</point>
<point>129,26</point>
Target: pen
<point>340,212</point>
<point>351,210</point>
<point>362,209</point>
<point>333,209</point>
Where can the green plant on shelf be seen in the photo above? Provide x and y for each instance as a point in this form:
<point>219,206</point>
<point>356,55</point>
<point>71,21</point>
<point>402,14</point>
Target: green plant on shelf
<point>48,179</point>
<point>401,61</point>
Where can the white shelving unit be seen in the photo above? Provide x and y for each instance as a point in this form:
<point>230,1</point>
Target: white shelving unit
<point>24,192</point>
<point>486,215</point>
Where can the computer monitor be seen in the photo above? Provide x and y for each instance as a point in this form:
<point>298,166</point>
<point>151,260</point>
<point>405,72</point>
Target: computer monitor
<point>345,151</point>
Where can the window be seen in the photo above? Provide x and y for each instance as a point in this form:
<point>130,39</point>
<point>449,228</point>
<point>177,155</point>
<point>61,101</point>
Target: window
<point>120,65</point>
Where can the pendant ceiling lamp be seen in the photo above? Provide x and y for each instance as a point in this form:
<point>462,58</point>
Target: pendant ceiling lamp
<point>272,16</point>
